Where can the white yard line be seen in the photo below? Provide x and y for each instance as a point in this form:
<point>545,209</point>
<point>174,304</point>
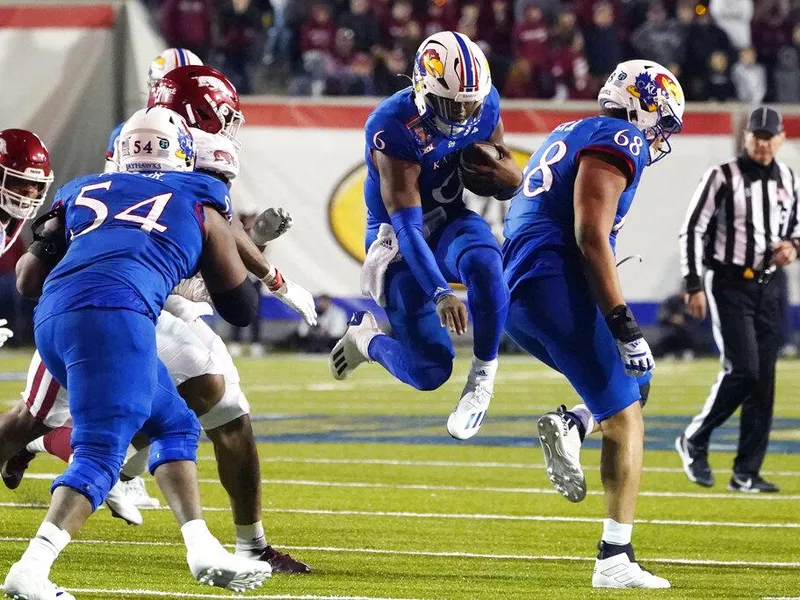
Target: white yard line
<point>457,464</point>
<point>444,554</point>
<point>489,489</point>
<point>225,596</point>
<point>467,516</point>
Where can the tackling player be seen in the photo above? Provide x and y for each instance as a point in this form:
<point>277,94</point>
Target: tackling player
<point>567,307</point>
<point>25,177</point>
<point>114,248</point>
<point>195,356</point>
<point>414,203</point>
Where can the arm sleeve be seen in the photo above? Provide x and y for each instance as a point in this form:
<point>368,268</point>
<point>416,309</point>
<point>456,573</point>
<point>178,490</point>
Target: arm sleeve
<point>703,206</point>
<point>390,136</point>
<point>407,223</point>
<point>215,194</point>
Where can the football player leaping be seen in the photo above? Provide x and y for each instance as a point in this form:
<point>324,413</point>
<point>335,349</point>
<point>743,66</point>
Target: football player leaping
<point>414,202</point>
<point>196,357</point>
<point>567,307</point>
<point>25,177</point>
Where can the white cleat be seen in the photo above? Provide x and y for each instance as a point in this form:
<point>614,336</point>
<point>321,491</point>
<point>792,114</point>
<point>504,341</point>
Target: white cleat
<point>351,350</point>
<point>123,507</point>
<point>218,567</point>
<point>468,415</point>
<point>561,445</point>
<point>620,572</point>
<point>135,490</point>
<point>26,581</point>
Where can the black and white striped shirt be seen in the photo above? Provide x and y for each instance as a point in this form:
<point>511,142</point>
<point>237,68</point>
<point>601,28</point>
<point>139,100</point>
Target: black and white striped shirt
<point>738,213</point>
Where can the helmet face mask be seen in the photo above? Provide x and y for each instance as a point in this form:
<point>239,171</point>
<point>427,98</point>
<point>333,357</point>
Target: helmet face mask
<point>25,174</point>
<point>451,81</point>
<point>652,99</point>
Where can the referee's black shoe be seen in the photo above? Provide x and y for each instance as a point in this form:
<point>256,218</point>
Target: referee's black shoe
<point>695,462</point>
<point>750,484</point>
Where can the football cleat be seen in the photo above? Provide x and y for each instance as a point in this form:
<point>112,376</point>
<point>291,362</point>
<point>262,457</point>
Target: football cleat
<point>351,350</point>
<point>751,485</point>
<point>25,581</point>
<point>282,563</point>
<point>561,445</point>
<point>470,412</point>
<point>122,507</point>
<point>695,462</point>
<point>621,570</point>
<point>215,566</point>
<point>14,469</point>
<point>135,490</point>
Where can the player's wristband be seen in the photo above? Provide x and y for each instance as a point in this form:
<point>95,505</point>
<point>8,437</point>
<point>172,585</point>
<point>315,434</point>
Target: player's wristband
<point>692,284</point>
<point>623,325</point>
<point>274,279</point>
<point>509,193</point>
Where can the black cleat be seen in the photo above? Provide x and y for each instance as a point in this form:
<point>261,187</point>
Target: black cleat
<point>282,563</point>
<point>15,468</point>
<point>695,462</point>
<point>749,484</point>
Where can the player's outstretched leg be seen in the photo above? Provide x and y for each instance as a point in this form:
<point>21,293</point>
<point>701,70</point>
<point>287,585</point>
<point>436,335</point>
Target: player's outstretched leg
<point>561,434</point>
<point>353,348</point>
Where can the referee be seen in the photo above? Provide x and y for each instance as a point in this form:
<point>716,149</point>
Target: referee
<point>741,225</point>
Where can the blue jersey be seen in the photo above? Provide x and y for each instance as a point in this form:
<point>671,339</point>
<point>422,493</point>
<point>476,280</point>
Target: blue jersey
<point>396,129</point>
<point>112,139</point>
<point>542,214</point>
<point>131,238</point>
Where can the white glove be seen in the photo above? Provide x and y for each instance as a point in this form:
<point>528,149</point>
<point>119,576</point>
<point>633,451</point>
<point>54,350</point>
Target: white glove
<point>295,297</point>
<point>193,289</point>
<point>636,356</point>
<point>6,333</point>
<point>270,225</point>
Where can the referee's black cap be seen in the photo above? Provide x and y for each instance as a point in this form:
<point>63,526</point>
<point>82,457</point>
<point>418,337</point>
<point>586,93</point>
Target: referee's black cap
<point>766,121</point>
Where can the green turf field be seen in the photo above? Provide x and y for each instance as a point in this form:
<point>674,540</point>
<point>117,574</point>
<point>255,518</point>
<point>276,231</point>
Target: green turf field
<point>363,483</point>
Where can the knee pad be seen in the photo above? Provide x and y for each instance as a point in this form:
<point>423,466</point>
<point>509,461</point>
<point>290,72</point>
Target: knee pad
<point>232,406</point>
<point>172,448</point>
<point>91,473</point>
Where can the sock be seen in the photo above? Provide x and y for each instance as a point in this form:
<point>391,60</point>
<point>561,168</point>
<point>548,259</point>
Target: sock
<point>584,417</point>
<point>196,533</point>
<point>44,549</point>
<point>36,446</point>
<point>615,533</point>
<point>136,464</point>
<point>57,443</point>
<point>250,539</point>
<point>483,369</point>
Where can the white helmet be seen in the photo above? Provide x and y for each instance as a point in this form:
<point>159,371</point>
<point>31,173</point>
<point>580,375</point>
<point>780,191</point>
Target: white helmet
<point>156,139</point>
<point>216,153</point>
<point>170,59</point>
<point>451,81</point>
<point>652,99</point>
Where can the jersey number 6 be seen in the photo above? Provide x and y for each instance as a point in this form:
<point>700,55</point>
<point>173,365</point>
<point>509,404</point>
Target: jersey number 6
<point>149,222</point>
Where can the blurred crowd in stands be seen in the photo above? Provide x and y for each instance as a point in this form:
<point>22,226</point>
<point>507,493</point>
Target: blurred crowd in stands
<point>722,50</point>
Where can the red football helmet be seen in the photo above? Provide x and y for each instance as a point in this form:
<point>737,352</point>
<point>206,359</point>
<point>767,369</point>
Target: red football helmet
<point>202,95</point>
<point>25,177</point>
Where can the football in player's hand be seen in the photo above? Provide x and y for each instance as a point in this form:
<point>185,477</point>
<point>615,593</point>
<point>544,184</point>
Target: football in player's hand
<point>476,154</point>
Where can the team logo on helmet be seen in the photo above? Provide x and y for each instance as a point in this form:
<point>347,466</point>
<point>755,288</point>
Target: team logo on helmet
<point>432,63</point>
<point>211,83</point>
<point>184,150</point>
<point>666,83</point>
<point>3,149</point>
<point>646,90</point>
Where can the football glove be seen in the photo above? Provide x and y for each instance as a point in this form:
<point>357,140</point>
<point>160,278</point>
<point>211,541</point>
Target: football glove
<point>631,345</point>
<point>270,225</point>
<point>299,299</point>
<point>5,332</point>
<point>193,289</point>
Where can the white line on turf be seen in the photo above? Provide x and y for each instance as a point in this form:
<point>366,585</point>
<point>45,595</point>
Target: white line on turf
<point>490,489</point>
<point>445,554</point>
<point>456,464</point>
<point>226,596</point>
<point>464,516</point>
